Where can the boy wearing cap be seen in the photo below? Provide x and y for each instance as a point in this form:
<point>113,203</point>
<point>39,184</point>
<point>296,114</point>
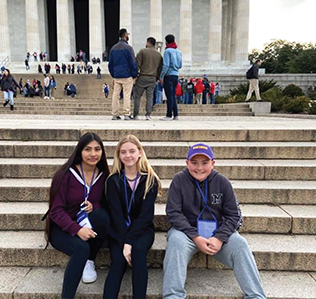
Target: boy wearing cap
<point>205,216</point>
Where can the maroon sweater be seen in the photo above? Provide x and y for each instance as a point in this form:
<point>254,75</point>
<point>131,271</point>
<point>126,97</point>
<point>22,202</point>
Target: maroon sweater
<point>69,197</point>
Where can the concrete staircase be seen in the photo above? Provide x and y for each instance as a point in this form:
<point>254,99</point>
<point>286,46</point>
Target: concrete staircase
<point>273,172</point>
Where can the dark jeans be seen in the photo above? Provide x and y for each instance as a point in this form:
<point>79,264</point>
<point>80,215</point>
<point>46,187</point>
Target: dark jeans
<point>140,249</point>
<point>170,84</point>
<point>79,250</point>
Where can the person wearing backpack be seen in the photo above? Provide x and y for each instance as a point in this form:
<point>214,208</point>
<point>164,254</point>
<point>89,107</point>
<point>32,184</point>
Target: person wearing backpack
<point>253,76</point>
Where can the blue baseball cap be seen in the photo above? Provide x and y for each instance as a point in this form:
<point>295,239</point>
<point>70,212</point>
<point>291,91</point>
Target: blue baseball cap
<point>200,149</point>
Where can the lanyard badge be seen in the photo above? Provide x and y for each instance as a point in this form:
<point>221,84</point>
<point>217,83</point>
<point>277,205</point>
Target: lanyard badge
<point>82,215</point>
<point>129,202</point>
<point>206,228</point>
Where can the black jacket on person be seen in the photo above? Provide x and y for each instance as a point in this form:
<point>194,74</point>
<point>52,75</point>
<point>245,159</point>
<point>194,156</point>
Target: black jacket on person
<point>142,210</point>
<point>253,72</point>
<point>185,204</point>
<point>8,83</point>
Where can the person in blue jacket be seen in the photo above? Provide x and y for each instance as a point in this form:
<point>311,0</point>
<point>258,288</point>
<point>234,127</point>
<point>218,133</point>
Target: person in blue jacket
<point>172,62</point>
<point>123,69</point>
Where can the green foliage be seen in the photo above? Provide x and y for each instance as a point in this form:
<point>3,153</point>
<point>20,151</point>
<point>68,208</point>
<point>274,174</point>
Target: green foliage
<point>280,56</point>
<point>274,95</point>
<point>297,105</point>
<point>312,107</point>
<point>221,99</point>
<point>243,88</point>
<point>293,91</point>
<point>311,93</point>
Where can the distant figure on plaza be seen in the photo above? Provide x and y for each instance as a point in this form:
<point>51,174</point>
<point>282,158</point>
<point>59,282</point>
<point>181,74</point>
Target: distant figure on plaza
<point>46,87</point>
<point>253,77</point>
<point>123,68</point>
<point>105,89</point>
<point>217,89</point>
<point>26,62</point>
<point>172,62</point>
<point>149,63</point>
<point>7,87</point>
<point>53,86</point>
<point>98,73</point>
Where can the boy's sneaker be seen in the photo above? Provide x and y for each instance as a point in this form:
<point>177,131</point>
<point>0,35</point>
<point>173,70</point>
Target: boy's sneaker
<point>116,117</point>
<point>148,117</point>
<point>127,117</point>
<point>89,274</point>
<point>176,118</point>
<point>136,117</point>
<point>260,100</point>
<point>166,118</point>
<point>5,103</point>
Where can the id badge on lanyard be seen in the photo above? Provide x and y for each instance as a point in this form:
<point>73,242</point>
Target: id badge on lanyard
<point>82,215</point>
<point>129,203</point>
<point>206,228</point>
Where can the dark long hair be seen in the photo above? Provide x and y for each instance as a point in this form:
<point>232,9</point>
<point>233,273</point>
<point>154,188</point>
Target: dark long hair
<point>75,159</point>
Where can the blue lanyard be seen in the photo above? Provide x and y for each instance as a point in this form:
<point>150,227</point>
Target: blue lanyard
<point>129,203</point>
<point>204,198</point>
<point>87,190</point>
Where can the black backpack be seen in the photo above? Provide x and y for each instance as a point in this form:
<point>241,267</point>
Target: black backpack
<point>249,74</point>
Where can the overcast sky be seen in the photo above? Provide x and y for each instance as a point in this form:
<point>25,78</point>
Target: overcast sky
<point>292,20</point>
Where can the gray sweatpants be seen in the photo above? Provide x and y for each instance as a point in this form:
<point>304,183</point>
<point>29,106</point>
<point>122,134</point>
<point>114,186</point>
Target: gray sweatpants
<point>143,83</point>
<point>234,254</point>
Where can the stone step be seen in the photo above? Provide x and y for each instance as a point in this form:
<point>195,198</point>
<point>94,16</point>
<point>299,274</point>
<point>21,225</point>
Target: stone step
<point>272,252</point>
<point>55,129</point>
<point>91,113</point>
<point>256,218</point>
<point>38,282</point>
<point>233,169</point>
<point>248,192</point>
<point>167,150</point>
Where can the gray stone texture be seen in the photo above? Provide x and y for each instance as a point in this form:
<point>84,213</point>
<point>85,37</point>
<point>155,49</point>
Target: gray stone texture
<point>200,30</point>
<point>17,28</point>
<point>170,19</point>
<point>140,23</point>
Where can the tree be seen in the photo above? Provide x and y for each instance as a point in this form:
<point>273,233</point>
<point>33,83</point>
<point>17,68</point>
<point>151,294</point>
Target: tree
<point>280,56</point>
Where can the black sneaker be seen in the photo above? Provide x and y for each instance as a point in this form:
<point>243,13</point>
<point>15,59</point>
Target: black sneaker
<point>116,117</point>
<point>5,103</point>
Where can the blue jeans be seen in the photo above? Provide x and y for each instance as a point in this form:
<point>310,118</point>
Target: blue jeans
<point>212,98</point>
<point>170,84</point>
<point>190,100</point>
<point>8,96</point>
<point>186,98</point>
<point>79,250</point>
<point>234,254</point>
<point>46,91</point>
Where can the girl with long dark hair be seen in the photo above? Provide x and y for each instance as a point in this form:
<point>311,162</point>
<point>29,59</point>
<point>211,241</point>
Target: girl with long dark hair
<point>131,192</point>
<point>78,224</point>
<point>7,86</point>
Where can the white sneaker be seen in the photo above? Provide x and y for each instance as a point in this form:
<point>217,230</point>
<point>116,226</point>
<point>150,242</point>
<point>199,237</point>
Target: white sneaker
<point>148,117</point>
<point>89,274</point>
<point>166,118</point>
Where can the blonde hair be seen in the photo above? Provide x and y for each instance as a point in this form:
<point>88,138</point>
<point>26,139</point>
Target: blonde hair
<point>143,166</point>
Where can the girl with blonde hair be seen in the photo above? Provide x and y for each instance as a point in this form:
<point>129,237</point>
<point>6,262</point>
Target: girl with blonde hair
<point>131,191</point>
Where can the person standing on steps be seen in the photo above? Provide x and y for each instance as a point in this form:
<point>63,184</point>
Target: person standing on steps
<point>77,223</point>
<point>131,192</point>
<point>172,62</point>
<point>205,216</point>
<point>8,85</point>
<point>149,62</point>
<point>123,68</point>
<point>253,77</point>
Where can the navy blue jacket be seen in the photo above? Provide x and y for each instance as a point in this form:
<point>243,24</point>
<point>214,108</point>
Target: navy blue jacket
<point>122,62</point>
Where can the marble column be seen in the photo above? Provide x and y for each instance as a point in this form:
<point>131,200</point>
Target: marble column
<point>242,31</point>
<point>33,40</point>
<point>224,28</point>
<point>156,19</point>
<point>185,39</point>
<point>66,40</point>
<point>215,32</point>
<point>5,49</point>
<point>230,44</point>
<point>126,17</point>
<point>96,29</point>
